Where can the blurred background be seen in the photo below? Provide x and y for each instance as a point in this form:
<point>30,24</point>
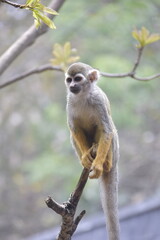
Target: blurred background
<point>37,159</point>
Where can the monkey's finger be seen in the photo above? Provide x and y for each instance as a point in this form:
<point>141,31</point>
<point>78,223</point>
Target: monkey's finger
<point>95,173</point>
<point>86,163</point>
<point>90,158</point>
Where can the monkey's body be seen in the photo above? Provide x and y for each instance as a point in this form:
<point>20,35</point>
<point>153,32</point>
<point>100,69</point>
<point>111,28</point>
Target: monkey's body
<point>91,125</point>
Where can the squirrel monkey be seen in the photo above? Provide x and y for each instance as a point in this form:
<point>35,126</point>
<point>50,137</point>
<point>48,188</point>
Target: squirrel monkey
<point>91,127</point>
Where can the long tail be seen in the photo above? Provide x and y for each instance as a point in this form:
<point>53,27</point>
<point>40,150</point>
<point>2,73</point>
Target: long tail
<point>109,195</point>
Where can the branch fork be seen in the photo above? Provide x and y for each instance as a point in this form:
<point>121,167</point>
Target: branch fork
<point>67,210</point>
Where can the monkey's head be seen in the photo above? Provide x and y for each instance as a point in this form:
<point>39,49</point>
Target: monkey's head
<point>80,77</point>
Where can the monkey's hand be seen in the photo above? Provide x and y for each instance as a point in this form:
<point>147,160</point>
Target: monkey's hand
<point>97,169</point>
<point>88,156</point>
<point>98,166</point>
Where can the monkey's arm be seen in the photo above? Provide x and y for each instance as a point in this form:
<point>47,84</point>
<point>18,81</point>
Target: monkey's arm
<point>103,160</point>
<point>80,140</point>
<point>82,147</point>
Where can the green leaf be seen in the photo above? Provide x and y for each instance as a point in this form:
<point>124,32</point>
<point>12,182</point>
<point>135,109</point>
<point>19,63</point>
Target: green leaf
<point>136,35</point>
<point>153,38</point>
<point>144,33</point>
<point>36,19</point>
<point>46,20</point>
<point>39,6</point>
<point>67,49</point>
<point>73,59</point>
<point>63,55</point>
<point>37,23</point>
<point>29,2</point>
<point>58,51</point>
<point>34,3</point>
<point>49,10</point>
<point>144,37</point>
<point>55,61</point>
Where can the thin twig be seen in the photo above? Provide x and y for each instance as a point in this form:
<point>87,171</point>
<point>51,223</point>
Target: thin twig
<point>47,67</point>
<point>146,78</point>
<point>77,220</point>
<point>114,75</point>
<point>137,62</point>
<point>16,5</point>
<point>59,209</point>
<point>131,75</point>
<point>30,72</point>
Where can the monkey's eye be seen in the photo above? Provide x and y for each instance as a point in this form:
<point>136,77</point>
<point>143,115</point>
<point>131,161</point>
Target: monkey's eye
<point>77,79</point>
<point>69,80</point>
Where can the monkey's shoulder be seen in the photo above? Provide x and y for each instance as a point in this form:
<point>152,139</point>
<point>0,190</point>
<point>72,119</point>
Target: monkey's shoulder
<point>100,95</point>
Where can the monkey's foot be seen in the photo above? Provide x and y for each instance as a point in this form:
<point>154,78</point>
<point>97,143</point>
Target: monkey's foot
<point>107,166</point>
<point>97,170</point>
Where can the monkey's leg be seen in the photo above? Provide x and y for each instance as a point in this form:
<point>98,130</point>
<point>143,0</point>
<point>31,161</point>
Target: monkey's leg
<point>102,152</point>
<point>81,141</point>
<point>107,166</point>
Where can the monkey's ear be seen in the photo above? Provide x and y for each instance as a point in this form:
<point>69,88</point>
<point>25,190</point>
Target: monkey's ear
<point>93,75</point>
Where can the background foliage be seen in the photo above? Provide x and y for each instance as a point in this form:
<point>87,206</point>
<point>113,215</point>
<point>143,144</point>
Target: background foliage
<point>36,156</point>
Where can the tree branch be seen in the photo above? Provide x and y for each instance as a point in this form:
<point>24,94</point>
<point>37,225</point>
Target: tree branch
<point>47,67</point>
<point>131,75</point>
<point>30,72</point>
<point>137,62</point>
<point>16,5</point>
<point>26,40</point>
<point>67,210</point>
<point>146,78</point>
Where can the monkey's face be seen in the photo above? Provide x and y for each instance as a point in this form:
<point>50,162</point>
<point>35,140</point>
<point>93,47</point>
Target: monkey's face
<point>75,83</point>
<point>80,77</point>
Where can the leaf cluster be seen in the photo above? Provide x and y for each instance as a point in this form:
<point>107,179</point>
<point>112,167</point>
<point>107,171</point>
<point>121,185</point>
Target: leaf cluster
<point>144,37</point>
<point>39,11</point>
<point>64,55</point>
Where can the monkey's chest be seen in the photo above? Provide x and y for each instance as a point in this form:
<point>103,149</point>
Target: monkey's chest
<point>85,116</point>
<point>85,119</point>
